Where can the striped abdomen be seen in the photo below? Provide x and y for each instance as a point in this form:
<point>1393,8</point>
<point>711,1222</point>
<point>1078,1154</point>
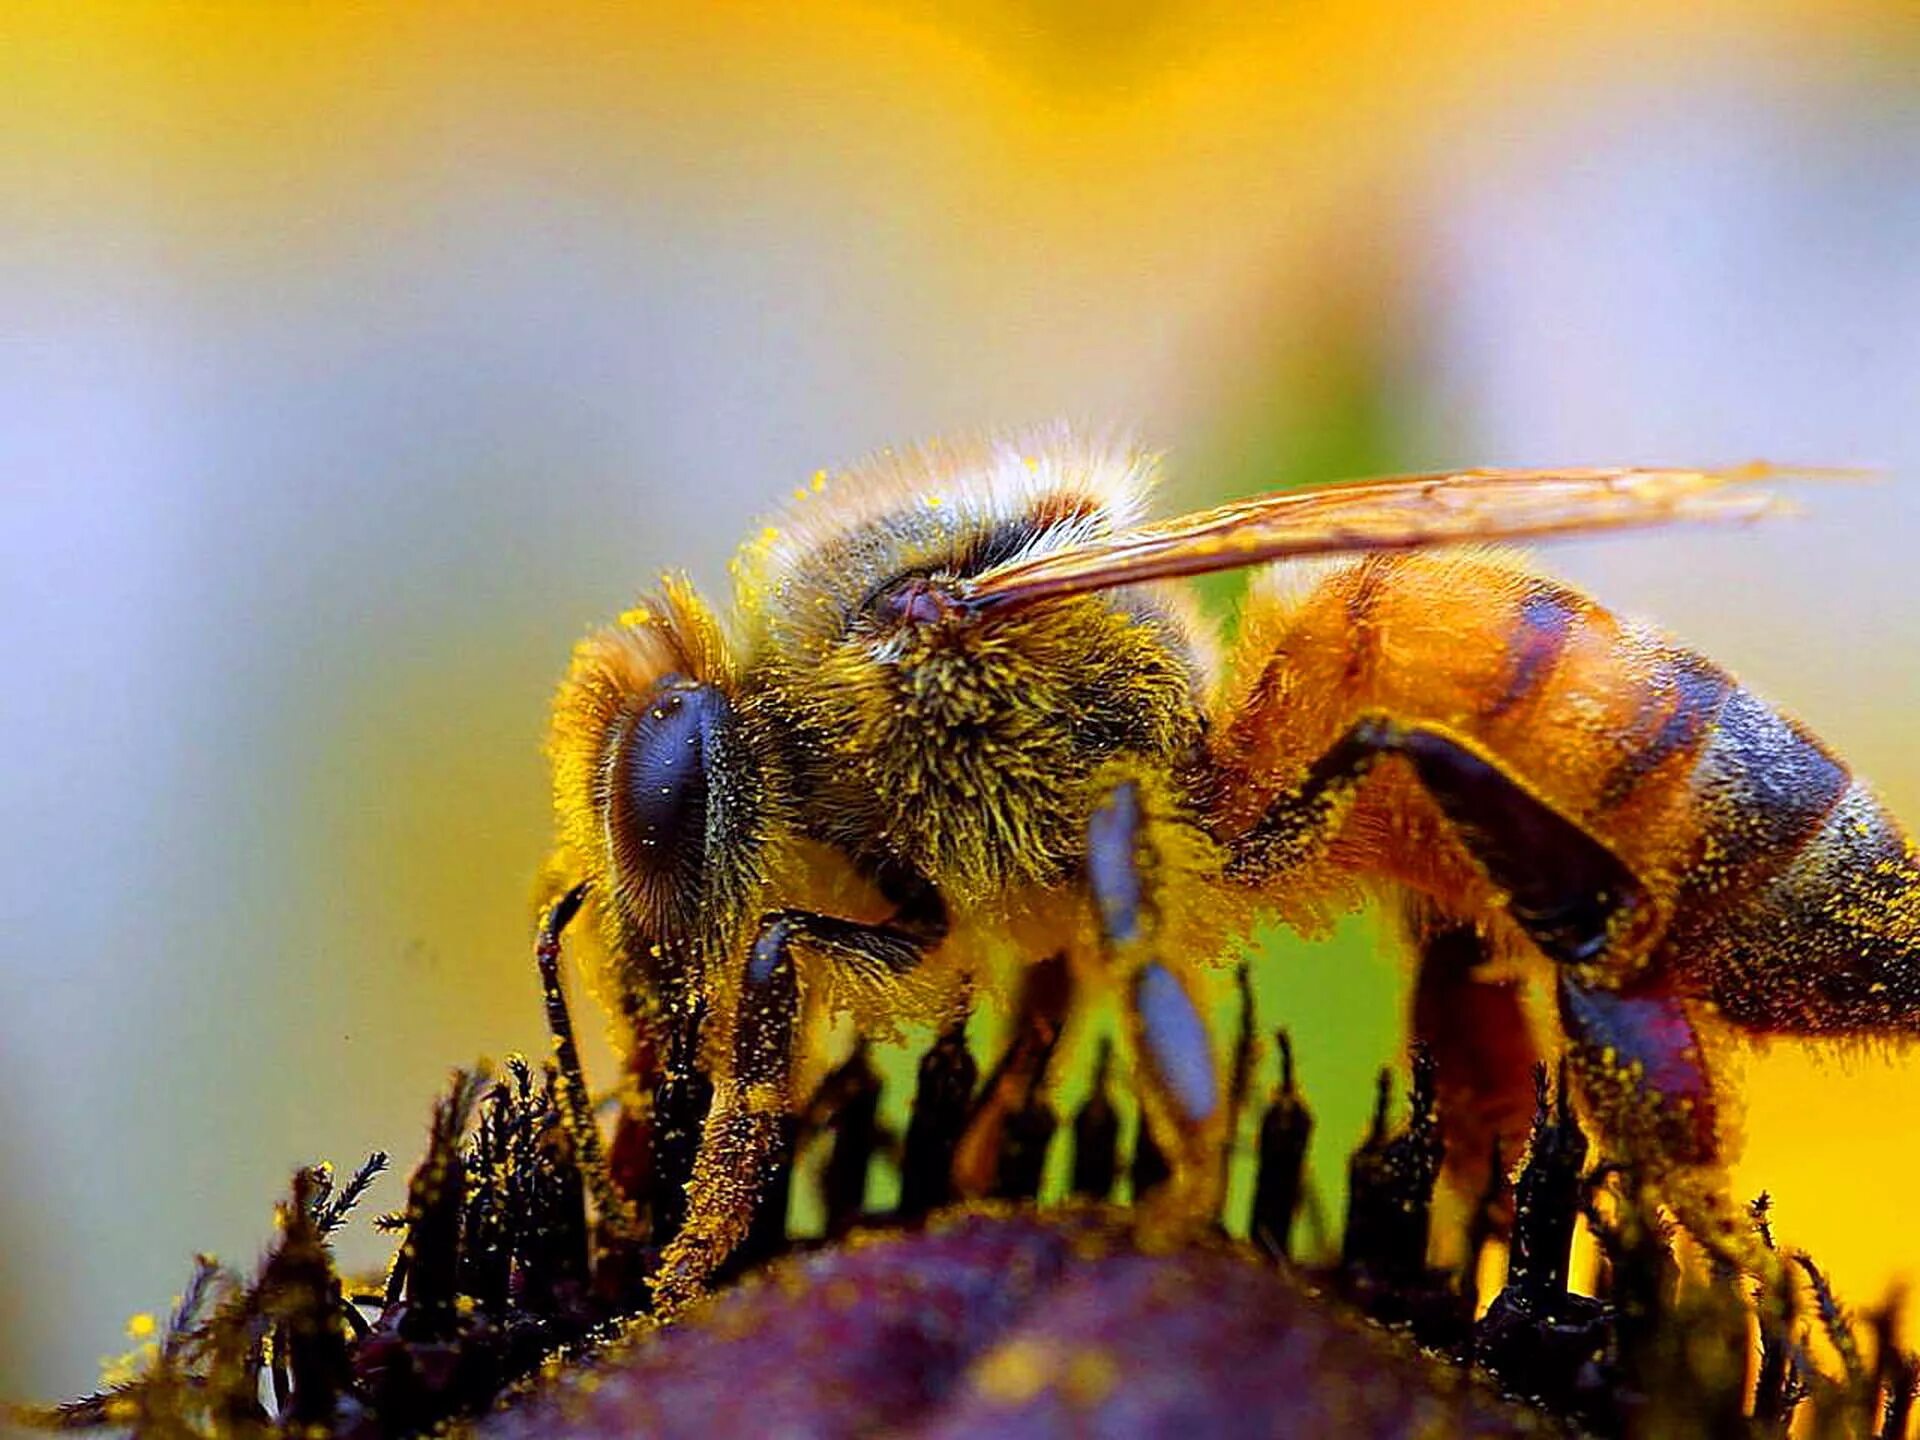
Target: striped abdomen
<point>1785,893</point>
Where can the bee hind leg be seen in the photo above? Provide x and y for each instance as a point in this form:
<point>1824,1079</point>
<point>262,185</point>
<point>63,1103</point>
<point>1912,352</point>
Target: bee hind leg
<point>1640,1066</point>
<point>1127,872</point>
<point>1632,1045</point>
<point>1571,894</point>
<point>1643,1073</point>
<point>1631,1042</point>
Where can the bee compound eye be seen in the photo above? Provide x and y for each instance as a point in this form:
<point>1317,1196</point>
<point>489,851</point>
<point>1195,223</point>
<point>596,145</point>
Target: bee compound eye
<point>665,767</point>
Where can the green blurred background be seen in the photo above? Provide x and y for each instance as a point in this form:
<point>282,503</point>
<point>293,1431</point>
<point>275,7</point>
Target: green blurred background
<point>354,360</point>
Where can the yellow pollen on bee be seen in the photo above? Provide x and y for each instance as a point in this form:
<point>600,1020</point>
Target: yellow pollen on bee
<point>140,1326</point>
<point>819,481</point>
<point>934,502</point>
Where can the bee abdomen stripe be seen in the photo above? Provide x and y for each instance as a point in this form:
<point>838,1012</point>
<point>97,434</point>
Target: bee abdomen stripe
<point>1761,786</point>
<point>1541,629</point>
<point>1831,942</point>
<point>1699,689</point>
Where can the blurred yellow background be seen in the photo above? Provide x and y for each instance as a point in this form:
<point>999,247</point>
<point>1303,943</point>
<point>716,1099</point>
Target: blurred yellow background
<point>354,359</point>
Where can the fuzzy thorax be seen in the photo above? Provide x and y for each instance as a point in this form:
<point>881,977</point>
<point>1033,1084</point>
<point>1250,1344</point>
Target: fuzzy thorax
<point>964,748</point>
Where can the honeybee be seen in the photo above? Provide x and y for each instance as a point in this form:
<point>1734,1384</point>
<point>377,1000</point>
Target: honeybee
<point>964,717</point>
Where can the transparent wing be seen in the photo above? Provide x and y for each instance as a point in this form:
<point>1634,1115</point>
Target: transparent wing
<point>1401,513</point>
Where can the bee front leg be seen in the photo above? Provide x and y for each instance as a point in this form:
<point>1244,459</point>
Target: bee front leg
<point>745,1135</point>
<point>748,1127</point>
<point>1128,870</point>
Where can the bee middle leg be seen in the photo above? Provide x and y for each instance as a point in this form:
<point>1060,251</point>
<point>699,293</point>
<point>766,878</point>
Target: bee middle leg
<point>1128,872</point>
<point>747,1128</point>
